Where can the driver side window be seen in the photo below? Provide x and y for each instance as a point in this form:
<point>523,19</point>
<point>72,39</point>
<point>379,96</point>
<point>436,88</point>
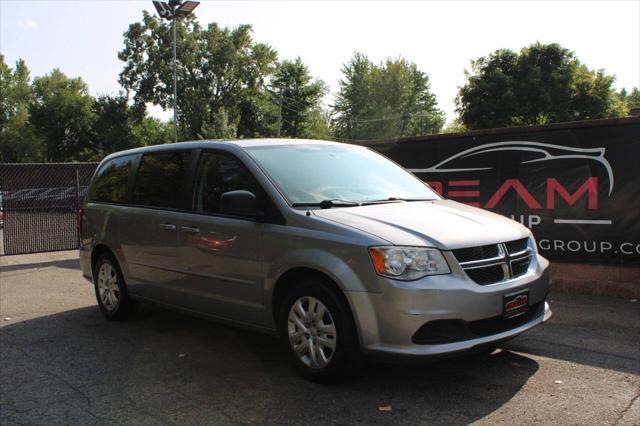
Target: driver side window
<point>220,172</point>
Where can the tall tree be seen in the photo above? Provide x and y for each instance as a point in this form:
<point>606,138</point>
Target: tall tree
<point>293,87</point>
<point>389,100</point>
<point>151,131</point>
<point>353,101</point>
<point>258,115</point>
<point>543,83</point>
<point>218,70</point>
<point>55,119</point>
<point>118,126</point>
<point>61,113</point>
<point>318,125</point>
<point>631,99</point>
<point>113,128</point>
<point>17,139</point>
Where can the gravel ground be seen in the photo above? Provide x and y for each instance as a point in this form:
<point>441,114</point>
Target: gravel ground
<point>61,362</point>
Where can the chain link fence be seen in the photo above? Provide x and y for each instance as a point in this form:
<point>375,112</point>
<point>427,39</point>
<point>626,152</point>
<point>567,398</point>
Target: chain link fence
<point>39,204</point>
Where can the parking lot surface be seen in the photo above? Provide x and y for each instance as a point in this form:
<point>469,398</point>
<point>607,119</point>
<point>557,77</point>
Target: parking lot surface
<point>61,362</point>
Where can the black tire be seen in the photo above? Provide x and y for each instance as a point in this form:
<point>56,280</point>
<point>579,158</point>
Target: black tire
<point>346,359</point>
<point>124,306</point>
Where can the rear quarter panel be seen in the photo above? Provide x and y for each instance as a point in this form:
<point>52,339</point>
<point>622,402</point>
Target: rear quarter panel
<point>101,225</point>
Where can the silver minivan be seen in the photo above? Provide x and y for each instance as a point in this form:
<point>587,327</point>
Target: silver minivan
<point>333,247</point>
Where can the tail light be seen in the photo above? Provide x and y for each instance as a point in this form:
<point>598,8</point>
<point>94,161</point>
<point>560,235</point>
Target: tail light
<point>79,221</point>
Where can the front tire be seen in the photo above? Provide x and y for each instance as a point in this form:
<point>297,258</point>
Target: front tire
<point>110,288</point>
<point>317,328</point>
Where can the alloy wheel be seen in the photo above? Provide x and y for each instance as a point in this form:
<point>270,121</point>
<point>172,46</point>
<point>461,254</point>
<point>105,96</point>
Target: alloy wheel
<point>108,289</point>
<point>312,332</point>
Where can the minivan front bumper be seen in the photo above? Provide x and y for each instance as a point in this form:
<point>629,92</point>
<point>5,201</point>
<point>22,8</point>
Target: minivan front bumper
<point>465,345</point>
<point>389,321</point>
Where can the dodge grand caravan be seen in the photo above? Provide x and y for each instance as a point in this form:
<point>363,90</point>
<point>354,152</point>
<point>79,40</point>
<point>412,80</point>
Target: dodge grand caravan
<point>333,247</point>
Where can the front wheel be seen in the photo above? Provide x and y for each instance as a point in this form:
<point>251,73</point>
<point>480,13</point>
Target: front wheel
<point>318,330</point>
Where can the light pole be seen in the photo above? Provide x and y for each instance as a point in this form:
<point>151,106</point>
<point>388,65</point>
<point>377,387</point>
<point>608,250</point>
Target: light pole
<point>171,11</point>
<point>280,114</point>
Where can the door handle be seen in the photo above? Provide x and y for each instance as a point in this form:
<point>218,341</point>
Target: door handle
<point>190,229</point>
<point>167,226</point>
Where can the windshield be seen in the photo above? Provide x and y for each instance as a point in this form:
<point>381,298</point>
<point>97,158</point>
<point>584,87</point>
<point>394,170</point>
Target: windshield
<point>310,174</point>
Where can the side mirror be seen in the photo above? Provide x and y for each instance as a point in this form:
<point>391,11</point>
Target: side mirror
<point>239,203</point>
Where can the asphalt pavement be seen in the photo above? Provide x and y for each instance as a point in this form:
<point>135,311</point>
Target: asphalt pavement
<point>61,362</point>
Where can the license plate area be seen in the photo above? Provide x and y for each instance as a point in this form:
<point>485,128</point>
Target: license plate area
<point>515,304</point>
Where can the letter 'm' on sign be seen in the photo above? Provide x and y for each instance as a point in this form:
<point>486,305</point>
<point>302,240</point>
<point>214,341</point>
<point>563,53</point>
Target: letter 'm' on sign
<point>590,187</point>
<point>520,190</point>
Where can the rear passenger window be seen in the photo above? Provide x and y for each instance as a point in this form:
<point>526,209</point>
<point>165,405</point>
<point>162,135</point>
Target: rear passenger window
<point>161,179</point>
<point>219,173</point>
<point>110,183</point>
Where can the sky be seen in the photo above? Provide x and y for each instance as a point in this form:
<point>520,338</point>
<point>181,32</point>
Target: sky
<point>82,38</point>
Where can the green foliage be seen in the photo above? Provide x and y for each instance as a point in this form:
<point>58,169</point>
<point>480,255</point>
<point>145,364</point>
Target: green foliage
<point>318,124</point>
<point>389,100</point>
<point>151,131</point>
<point>55,119</point>
<point>61,115</point>
<point>219,126</point>
<point>353,100</point>
<point>17,139</point>
<point>456,126</point>
<point>632,100</point>
<point>258,115</point>
<point>541,84</point>
<point>112,128</point>
<point>117,126</point>
<point>231,86</point>
<point>221,73</point>
<point>293,85</point>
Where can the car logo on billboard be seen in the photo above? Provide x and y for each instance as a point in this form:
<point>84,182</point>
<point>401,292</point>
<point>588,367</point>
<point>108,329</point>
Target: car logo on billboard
<point>541,152</point>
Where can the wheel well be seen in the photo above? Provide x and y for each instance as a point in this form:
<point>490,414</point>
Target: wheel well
<point>98,251</point>
<point>289,278</point>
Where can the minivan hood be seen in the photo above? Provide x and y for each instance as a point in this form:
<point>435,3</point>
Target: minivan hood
<point>444,224</point>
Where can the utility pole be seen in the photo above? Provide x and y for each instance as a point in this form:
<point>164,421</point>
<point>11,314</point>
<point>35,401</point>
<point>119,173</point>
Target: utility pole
<point>280,113</point>
<point>175,80</point>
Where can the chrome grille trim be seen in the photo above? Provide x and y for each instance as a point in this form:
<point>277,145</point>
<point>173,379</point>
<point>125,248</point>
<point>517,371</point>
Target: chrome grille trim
<point>504,259</point>
<point>483,265</point>
<point>486,262</point>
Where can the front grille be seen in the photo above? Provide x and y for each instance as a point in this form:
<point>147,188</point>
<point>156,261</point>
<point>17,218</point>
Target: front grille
<point>476,253</point>
<point>517,246</point>
<point>487,275</point>
<point>520,266</point>
<point>494,263</point>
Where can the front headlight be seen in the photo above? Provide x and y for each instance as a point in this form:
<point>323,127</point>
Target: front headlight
<point>408,263</point>
<point>533,244</point>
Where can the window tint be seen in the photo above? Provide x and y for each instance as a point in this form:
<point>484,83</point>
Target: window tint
<point>219,173</point>
<point>110,183</point>
<point>161,178</point>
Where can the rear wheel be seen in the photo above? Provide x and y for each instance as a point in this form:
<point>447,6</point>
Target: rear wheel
<point>318,330</point>
<point>110,288</point>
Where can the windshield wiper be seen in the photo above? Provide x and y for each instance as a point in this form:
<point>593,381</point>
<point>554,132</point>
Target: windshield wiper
<point>394,199</point>
<point>327,204</point>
